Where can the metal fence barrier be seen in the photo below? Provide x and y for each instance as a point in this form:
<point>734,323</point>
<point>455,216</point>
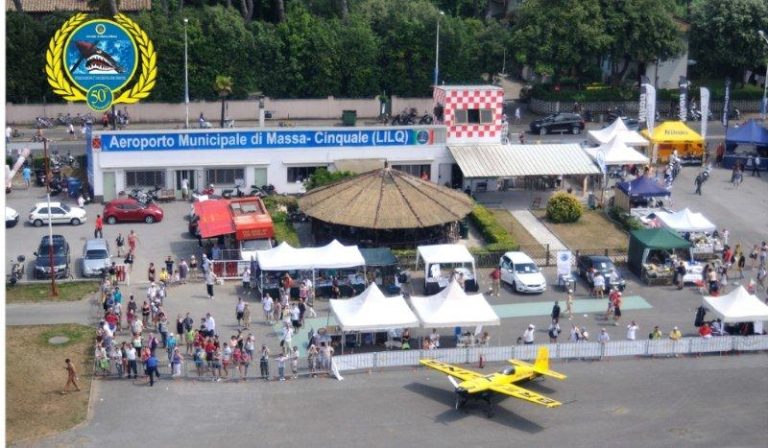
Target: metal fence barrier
<point>470,355</point>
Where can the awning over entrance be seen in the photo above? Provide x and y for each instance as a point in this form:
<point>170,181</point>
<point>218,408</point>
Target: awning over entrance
<point>497,160</point>
<point>215,218</point>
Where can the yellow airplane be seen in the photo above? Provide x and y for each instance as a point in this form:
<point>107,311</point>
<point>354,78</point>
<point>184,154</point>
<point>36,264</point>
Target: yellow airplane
<point>474,385</point>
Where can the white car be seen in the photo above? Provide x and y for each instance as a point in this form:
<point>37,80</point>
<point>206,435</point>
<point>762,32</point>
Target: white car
<point>11,217</point>
<point>248,248</point>
<point>521,272</point>
<point>60,214</point>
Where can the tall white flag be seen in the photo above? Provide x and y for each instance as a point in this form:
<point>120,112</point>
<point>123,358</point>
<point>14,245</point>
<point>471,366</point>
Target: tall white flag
<point>704,94</point>
<point>650,106</point>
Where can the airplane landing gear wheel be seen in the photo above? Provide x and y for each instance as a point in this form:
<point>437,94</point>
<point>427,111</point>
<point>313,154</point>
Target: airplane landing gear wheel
<point>460,402</point>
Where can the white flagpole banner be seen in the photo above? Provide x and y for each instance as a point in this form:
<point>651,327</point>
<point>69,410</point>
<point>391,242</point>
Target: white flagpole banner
<point>704,94</point>
<point>650,106</point>
<point>726,102</point>
<point>683,106</point>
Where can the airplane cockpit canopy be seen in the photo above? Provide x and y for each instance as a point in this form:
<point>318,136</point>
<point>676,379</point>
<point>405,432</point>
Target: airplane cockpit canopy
<point>508,371</point>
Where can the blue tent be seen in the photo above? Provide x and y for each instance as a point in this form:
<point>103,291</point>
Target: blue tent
<point>751,133</point>
<point>643,187</point>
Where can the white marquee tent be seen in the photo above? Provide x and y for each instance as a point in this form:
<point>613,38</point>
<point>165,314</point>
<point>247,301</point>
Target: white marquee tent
<point>618,153</point>
<point>686,221</point>
<point>444,253</point>
<point>371,311</point>
<point>738,306</point>
<point>618,130</point>
<point>287,258</point>
<point>452,307</point>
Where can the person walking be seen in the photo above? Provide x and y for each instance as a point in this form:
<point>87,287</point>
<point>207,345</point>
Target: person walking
<point>496,281</point>
<point>555,312</point>
<point>529,334</point>
<point>569,304</point>
<point>699,181</point>
<point>133,239</point>
<point>756,165</point>
<point>239,310</point>
<point>26,174</point>
<point>152,364</point>
<point>210,280</point>
<point>99,227</point>
<point>553,331</point>
<point>264,362</point>
<point>72,377</point>
<point>131,355</point>
<point>680,271</point>
<point>266,304</point>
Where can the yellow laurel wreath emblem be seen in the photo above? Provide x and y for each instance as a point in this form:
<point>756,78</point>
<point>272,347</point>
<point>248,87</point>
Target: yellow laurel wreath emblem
<point>148,76</point>
<point>53,63</point>
<point>59,83</point>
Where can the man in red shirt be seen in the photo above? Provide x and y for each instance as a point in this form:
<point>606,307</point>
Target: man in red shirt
<point>97,231</point>
<point>496,281</point>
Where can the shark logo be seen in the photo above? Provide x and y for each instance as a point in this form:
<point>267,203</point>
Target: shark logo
<point>96,59</point>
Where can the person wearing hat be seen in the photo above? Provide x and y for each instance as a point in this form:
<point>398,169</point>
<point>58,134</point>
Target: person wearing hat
<point>529,334</point>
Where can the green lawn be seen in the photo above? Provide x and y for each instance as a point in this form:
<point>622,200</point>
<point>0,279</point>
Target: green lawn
<point>592,231</point>
<point>513,226</point>
<point>41,292</point>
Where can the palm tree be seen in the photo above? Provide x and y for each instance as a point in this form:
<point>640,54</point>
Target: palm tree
<point>223,85</point>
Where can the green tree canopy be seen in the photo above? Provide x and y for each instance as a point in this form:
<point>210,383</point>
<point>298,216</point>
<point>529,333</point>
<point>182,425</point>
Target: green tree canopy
<point>724,39</point>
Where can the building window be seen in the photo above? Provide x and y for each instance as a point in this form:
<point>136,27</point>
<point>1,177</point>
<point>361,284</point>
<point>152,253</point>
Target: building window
<point>301,173</point>
<point>415,170</point>
<point>473,116</point>
<point>223,176</point>
<point>134,179</point>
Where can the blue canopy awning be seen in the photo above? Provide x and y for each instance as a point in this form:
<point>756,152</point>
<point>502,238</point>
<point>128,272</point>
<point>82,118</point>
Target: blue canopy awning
<point>751,133</point>
<point>643,187</point>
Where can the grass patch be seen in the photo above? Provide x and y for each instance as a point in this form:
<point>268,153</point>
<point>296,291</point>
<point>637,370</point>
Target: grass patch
<point>513,226</point>
<point>593,231</point>
<point>35,377</point>
<point>279,206</point>
<point>41,292</point>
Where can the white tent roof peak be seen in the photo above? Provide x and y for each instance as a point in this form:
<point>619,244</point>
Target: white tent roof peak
<point>371,310</point>
<point>618,153</point>
<point>619,130</point>
<point>686,221</point>
<point>445,253</point>
<point>453,307</point>
<point>737,306</point>
<point>332,256</point>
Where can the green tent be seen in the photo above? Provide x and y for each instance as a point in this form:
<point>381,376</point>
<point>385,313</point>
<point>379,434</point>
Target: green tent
<point>642,241</point>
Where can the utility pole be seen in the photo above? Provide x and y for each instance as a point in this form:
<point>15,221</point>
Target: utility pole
<point>54,290</point>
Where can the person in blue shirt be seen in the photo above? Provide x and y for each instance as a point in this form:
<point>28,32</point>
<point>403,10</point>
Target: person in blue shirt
<point>152,364</point>
<point>26,173</point>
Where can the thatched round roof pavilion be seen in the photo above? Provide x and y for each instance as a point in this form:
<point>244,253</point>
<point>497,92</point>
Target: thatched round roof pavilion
<point>386,199</point>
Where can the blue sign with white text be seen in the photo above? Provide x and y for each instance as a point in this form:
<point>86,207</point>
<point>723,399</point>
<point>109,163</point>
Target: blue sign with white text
<point>266,139</point>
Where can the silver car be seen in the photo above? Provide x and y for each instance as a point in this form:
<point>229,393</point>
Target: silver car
<point>96,257</point>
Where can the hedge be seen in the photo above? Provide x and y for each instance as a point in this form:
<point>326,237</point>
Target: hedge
<point>496,236</point>
<point>279,206</point>
<point>596,93</point>
<point>627,221</point>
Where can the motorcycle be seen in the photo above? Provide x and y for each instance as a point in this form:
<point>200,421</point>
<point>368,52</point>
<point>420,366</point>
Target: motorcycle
<point>406,117</point>
<point>208,191</point>
<point>152,195</point>
<point>426,119</point>
<point>139,195</point>
<point>236,193</point>
<point>17,270</point>
<point>43,123</point>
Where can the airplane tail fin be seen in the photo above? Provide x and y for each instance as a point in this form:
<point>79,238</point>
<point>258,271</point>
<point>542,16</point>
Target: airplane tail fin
<point>541,366</point>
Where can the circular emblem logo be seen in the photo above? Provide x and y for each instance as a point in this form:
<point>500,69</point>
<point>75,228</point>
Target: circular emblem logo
<point>422,137</point>
<point>100,56</point>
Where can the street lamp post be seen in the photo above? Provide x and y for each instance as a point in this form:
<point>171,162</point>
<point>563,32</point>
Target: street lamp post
<point>437,48</point>
<point>186,78</point>
<point>52,265</point>
<point>763,110</point>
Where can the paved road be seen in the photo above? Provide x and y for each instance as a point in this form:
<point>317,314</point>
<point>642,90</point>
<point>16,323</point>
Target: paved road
<point>710,401</point>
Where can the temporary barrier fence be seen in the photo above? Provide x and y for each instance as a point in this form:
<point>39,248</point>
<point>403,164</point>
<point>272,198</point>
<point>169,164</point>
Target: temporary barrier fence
<point>470,355</point>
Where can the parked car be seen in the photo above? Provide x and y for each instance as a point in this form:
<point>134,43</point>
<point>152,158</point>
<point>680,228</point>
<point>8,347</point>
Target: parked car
<point>60,214</point>
<point>11,217</point>
<point>96,257</point>
<point>129,209</point>
<point>61,258</point>
<point>589,264</point>
<point>519,270</point>
<point>248,248</point>
<point>560,122</point>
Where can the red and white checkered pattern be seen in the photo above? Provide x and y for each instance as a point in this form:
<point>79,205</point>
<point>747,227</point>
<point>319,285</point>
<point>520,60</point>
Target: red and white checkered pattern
<point>458,98</point>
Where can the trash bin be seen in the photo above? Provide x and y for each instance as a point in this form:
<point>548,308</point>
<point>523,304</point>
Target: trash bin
<point>73,186</point>
<point>463,230</point>
<point>592,200</point>
<point>348,117</point>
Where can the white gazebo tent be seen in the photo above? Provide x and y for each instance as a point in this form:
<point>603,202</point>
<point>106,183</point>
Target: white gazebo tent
<point>437,254</point>
<point>737,306</point>
<point>285,257</point>
<point>618,130</point>
<point>617,152</point>
<point>452,307</point>
<point>686,221</point>
<point>371,311</point>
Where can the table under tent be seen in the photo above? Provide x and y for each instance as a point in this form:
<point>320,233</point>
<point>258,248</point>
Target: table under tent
<point>743,142</point>
<point>324,265</point>
<point>654,253</point>
<point>442,262</point>
<point>738,307</point>
<point>373,314</point>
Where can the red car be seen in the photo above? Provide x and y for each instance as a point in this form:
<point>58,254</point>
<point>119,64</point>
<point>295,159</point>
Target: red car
<point>123,210</point>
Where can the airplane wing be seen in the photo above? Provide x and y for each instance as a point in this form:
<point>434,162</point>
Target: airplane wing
<point>524,394</point>
<point>450,370</point>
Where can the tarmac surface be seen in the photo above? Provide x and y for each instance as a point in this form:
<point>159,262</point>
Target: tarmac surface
<point>670,402</point>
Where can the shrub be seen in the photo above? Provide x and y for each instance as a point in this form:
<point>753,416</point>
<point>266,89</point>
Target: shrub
<point>495,235</point>
<point>563,207</point>
<point>627,221</point>
<point>322,177</point>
